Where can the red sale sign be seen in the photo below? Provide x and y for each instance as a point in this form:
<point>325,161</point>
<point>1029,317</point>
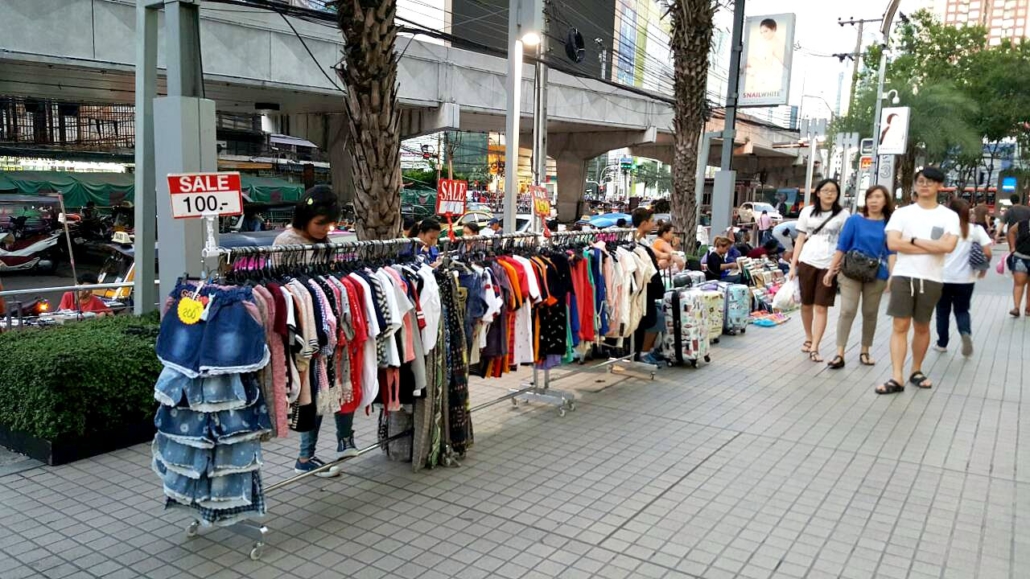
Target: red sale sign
<point>199,194</point>
<point>541,201</point>
<point>450,197</point>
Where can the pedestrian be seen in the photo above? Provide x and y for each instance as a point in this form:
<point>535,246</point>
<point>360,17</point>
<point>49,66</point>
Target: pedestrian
<point>982,216</point>
<point>866,234</point>
<point>653,322</point>
<point>664,249</point>
<point>1015,214</point>
<point>1019,263</point>
<point>781,205</point>
<point>818,227</point>
<point>922,234</point>
<point>313,218</point>
<point>493,227</point>
<point>785,234</point>
<point>764,227</point>
<point>429,230</point>
<point>959,279</point>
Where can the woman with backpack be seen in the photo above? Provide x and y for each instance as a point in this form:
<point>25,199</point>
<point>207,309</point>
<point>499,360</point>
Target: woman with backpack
<point>962,267</point>
<point>819,227</point>
<point>864,264</point>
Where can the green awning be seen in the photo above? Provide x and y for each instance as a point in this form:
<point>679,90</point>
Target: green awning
<point>110,189</point>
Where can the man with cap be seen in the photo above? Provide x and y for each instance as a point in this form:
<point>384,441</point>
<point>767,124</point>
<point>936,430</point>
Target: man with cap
<point>493,227</point>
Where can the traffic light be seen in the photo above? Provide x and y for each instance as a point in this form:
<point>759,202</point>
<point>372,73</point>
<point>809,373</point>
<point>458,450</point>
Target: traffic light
<point>426,153</point>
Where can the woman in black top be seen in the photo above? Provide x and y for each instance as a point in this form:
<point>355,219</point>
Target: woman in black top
<point>716,262</point>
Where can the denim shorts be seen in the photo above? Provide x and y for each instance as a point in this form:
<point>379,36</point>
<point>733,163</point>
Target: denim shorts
<point>1018,264</point>
<point>222,492</point>
<point>207,393</point>
<point>204,430</point>
<point>193,462</point>
<point>230,341</point>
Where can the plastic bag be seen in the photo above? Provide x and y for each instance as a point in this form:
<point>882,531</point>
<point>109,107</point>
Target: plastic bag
<point>1001,264</point>
<point>788,296</point>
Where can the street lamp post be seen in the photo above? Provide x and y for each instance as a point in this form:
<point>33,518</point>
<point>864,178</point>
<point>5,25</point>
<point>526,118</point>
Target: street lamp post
<point>885,30</point>
<point>524,25</point>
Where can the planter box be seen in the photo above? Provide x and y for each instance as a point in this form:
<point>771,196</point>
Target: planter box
<point>71,448</point>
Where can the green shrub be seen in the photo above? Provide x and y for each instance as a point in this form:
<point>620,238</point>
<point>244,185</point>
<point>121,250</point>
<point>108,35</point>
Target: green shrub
<point>79,379</point>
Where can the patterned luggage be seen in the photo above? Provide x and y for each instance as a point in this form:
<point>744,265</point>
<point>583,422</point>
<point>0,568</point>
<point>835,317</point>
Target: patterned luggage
<point>686,327</point>
<point>737,307</point>
<point>714,300</point>
<point>688,279</point>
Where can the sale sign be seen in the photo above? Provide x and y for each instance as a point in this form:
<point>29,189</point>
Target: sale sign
<point>541,201</point>
<point>450,197</point>
<point>199,194</point>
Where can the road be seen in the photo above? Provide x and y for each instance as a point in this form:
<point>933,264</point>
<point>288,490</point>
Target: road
<point>62,277</point>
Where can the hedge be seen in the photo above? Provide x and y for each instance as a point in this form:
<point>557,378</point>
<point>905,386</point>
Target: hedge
<point>79,379</point>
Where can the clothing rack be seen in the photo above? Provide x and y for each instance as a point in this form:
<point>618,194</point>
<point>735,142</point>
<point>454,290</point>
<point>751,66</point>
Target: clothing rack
<point>536,390</point>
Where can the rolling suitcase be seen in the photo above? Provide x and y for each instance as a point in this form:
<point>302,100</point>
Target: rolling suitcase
<point>737,304</point>
<point>714,302</point>
<point>688,279</point>
<point>686,327</point>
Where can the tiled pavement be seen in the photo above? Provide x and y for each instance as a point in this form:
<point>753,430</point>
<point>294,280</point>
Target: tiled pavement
<point>759,465</point>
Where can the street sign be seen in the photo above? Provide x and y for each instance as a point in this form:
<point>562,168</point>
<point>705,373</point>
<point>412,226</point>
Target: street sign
<point>199,194</point>
<point>886,172</point>
<point>866,148</point>
<point>450,197</point>
<point>1008,184</point>
<point>865,163</point>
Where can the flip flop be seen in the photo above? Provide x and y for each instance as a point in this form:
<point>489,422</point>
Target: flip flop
<point>806,347</point>
<point>866,360</point>
<point>919,380</point>
<point>890,387</point>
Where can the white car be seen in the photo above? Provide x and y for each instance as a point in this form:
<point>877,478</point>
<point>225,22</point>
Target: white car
<point>750,211</point>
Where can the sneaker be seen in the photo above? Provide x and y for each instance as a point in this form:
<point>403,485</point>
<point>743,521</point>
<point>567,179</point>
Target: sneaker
<point>967,345</point>
<point>939,348</point>
<point>314,463</point>
<point>347,448</point>
<point>649,359</point>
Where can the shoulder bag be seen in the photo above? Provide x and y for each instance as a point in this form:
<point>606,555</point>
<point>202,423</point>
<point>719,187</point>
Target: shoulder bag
<point>860,267</point>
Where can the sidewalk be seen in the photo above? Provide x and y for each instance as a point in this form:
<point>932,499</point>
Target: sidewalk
<point>759,465</point>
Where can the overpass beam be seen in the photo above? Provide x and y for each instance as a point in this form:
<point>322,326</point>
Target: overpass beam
<point>419,122</point>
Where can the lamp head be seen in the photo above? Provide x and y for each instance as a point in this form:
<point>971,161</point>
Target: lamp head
<point>531,38</point>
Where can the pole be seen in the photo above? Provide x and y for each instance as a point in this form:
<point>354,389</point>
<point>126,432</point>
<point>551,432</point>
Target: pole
<point>858,57</point>
<point>145,292</point>
<point>439,157</point>
<point>722,198</point>
<point>811,162</point>
<point>879,107</point>
<point>511,131</point>
<point>699,184</point>
<point>540,122</point>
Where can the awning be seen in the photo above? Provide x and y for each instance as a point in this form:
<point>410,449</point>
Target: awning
<point>278,139</point>
<point>270,189</point>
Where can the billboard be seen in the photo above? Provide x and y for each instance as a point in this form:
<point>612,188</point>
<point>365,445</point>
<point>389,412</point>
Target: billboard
<point>893,131</point>
<point>765,63</point>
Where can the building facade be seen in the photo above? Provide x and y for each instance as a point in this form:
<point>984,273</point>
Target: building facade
<point>1005,20</point>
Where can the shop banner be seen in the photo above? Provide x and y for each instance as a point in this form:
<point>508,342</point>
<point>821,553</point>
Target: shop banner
<point>766,62</point>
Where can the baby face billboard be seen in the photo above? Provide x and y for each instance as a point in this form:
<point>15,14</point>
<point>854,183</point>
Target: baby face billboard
<point>765,63</point>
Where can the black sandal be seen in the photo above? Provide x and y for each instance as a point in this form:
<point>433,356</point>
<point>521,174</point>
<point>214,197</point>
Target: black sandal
<point>918,380</point>
<point>814,356</point>
<point>1014,313</point>
<point>866,359</point>
<point>837,363</point>
<point>890,387</point>
<point>806,347</point>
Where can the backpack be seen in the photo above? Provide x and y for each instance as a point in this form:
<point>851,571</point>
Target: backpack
<point>1022,238</point>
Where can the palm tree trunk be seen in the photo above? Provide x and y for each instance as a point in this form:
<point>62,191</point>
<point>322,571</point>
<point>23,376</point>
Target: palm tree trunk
<point>691,42</point>
<point>370,75</point>
<point>907,174</point>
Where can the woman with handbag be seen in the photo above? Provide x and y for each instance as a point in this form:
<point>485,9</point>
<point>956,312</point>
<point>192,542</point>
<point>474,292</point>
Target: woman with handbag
<point>864,264</point>
<point>970,260</point>
<point>819,227</point>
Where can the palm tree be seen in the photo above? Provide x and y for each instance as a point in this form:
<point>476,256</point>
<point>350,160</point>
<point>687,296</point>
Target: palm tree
<point>691,40</point>
<point>369,72</point>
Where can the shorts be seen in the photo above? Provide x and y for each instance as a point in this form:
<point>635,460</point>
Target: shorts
<point>1018,264</point>
<point>230,341</point>
<point>914,298</point>
<point>813,291</point>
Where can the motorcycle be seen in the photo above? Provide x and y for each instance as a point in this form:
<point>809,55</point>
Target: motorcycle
<point>30,234</point>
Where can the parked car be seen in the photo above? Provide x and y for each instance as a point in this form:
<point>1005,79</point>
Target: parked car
<point>750,211</point>
<point>482,218</point>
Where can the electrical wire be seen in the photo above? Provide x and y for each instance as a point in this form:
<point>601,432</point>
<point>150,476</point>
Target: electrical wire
<point>311,54</point>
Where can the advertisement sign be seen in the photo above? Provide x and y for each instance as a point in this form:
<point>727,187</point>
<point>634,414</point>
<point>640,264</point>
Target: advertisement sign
<point>450,197</point>
<point>1008,184</point>
<point>199,194</point>
<point>541,201</point>
<point>766,61</point>
<point>886,172</point>
<point>894,131</point>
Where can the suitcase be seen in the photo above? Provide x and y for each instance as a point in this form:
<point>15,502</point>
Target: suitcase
<point>737,304</point>
<point>686,327</point>
<point>688,279</point>
<point>714,301</point>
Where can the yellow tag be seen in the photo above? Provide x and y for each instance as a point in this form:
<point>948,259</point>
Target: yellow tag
<point>189,311</point>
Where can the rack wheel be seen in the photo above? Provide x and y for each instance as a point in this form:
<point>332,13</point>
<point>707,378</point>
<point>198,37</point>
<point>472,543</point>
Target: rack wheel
<point>192,530</point>
<point>743,330</point>
<point>561,412</point>
<point>572,406</point>
<point>257,551</point>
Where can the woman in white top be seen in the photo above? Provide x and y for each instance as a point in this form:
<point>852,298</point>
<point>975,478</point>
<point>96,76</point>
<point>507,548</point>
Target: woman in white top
<point>818,227</point>
<point>959,280</point>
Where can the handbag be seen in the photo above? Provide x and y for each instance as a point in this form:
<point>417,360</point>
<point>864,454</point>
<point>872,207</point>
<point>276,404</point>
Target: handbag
<point>977,258</point>
<point>860,267</point>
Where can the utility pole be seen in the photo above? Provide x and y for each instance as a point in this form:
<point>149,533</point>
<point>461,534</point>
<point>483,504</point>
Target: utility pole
<point>725,179</point>
<point>540,118</point>
<point>856,56</point>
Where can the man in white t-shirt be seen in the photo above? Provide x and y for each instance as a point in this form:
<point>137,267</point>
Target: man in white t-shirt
<point>922,234</point>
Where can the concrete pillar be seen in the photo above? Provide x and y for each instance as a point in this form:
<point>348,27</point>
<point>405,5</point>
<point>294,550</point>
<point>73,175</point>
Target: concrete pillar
<point>340,159</point>
<point>572,180</point>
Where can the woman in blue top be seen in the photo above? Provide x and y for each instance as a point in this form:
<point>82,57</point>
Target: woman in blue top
<point>864,232</point>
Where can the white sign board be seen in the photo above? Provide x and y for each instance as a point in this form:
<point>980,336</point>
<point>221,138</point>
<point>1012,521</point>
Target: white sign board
<point>893,131</point>
<point>886,172</point>
<point>766,61</point>
<point>199,194</point>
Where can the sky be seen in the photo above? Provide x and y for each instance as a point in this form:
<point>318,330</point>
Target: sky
<point>819,34</point>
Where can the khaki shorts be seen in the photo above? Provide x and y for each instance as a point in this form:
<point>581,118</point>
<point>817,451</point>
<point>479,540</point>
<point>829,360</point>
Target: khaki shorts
<point>914,298</point>
<point>813,291</point>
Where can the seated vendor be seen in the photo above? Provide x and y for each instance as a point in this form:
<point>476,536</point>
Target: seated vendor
<point>84,300</point>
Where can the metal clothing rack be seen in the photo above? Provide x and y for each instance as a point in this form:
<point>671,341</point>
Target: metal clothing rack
<point>536,390</point>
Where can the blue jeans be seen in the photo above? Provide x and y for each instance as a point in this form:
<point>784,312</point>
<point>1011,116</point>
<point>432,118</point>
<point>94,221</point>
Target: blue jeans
<point>955,297</point>
<point>309,439</point>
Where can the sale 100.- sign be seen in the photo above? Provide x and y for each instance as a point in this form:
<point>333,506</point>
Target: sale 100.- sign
<point>450,197</point>
<point>199,194</point>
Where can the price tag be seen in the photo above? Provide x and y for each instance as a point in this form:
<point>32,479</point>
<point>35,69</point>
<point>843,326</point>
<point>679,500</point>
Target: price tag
<point>199,194</point>
<point>189,311</point>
